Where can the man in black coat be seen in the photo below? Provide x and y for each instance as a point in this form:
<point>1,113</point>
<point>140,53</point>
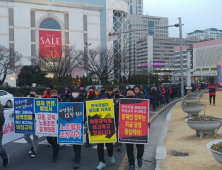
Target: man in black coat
<point>91,96</point>
<point>76,98</point>
<point>117,97</point>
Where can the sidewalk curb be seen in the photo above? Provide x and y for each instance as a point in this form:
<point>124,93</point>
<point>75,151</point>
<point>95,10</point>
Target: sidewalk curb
<point>161,149</point>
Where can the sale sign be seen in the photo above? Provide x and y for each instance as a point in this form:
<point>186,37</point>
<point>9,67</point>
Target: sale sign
<point>46,115</point>
<point>70,124</point>
<point>101,121</point>
<point>133,121</point>
<point>50,43</point>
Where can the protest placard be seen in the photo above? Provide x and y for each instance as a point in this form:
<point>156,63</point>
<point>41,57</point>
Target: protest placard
<point>70,124</point>
<point>101,121</point>
<point>46,113</point>
<point>24,120</point>
<point>133,121</point>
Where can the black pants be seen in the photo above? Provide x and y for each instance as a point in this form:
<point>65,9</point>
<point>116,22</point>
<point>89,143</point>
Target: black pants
<point>87,136</point>
<point>118,143</point>
<point>100,150</point>
<point>130,154</point>
<point>154,107</point>
<point>167,98</point>
<point>77,151</point>
<point>210,97</point>
<point>55,145</point>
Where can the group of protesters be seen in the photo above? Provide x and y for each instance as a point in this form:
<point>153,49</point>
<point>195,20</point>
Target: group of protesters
<point>79,94</point>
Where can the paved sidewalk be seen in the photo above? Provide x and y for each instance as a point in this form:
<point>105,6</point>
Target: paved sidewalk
<point>181,138</point>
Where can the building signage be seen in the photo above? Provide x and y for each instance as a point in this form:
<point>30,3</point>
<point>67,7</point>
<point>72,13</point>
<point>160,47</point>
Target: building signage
<point>50,43</point>
<point>219,70</point>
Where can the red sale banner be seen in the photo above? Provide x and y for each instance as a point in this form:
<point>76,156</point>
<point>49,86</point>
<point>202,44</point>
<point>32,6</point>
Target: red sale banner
<point>50,43</point>
<point>133,121</point>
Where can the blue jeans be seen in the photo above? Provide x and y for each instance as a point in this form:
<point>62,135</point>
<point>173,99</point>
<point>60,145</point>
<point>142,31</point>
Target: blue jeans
<point>2,150</point>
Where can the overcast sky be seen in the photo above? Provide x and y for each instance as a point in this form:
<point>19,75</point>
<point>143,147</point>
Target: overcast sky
<point>196,14</point>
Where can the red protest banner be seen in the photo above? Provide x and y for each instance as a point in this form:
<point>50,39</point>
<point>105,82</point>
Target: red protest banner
<point>133,121</point>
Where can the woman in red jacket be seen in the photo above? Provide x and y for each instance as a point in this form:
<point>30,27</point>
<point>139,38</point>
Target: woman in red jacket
<point>212,91</point>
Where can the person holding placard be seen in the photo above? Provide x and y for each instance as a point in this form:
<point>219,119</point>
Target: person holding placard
<point>100,148</point>
<point>50,139</point>
<point>130,146</point>
<point>35,141</point>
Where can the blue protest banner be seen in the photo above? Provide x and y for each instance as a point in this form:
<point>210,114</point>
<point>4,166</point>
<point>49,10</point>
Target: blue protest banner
<point>24,120</point>
<point>70,124</point>
<point>46,113</point>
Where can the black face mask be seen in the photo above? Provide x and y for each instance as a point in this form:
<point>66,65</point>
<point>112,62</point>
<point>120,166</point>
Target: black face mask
<point>103,91</point>
<point>54,97</point>
<point>32,95</point>
<point>129,96</point>
<point>116,95</point>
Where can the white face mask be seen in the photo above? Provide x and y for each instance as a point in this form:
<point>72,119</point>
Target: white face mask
<point>75,95</point>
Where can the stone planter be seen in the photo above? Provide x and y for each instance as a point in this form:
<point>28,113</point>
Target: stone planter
<point>204,127</point>
<point>190,100</point>
<point>193,110</point>
<point>216,155</point>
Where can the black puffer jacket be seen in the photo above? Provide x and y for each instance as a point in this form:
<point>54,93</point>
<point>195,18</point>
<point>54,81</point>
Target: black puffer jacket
<point>116,110</point>
<point>2,118</point>
<point>154,96</point>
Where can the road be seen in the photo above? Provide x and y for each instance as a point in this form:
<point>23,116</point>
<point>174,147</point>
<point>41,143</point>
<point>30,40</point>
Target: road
<point>20,159</point>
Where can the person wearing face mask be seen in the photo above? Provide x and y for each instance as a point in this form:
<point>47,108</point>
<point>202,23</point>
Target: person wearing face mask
<point>130,146</point>
<point>67,95</point>
<point>117,97</point>
<point>64,95</point>
<point>100,148</point>
<point>91,96</point>
<point>50,139</point>
<point>75,97</point>
<point>110,93</point>
<point>33,143</point>
<point>82,92</point>
<point>212,91</point>
<point>49,87</point>
<point>103,91</point>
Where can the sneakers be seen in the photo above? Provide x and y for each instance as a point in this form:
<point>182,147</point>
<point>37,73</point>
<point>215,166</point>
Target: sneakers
<point>87,145</point>
<point>34,154</point>
<point>101,166</point>
<point>140,163</point>
<point>31,150</point>
<point>6,161</point>
<point>54,159</point>
<point>76,165</point>
<point>112,160</point>
<point>132,167</point>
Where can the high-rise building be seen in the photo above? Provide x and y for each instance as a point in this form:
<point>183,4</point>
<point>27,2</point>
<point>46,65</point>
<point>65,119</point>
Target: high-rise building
<point>136,7</point>
<point>139,22</point>
<point>207,34</point>
<point>27,26</point>
<point>155,54</point>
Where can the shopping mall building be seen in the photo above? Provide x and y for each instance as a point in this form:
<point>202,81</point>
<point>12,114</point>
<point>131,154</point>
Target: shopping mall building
<point>29,26</point>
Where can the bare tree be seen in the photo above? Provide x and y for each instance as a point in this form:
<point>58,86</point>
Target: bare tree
<point>8,61</point>
<point>59,61</point>
<point>100,62</point>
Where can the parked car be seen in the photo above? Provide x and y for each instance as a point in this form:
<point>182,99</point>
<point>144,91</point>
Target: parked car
<point>130,86</point>
<point>6,99</point>
<point>98,87</point>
